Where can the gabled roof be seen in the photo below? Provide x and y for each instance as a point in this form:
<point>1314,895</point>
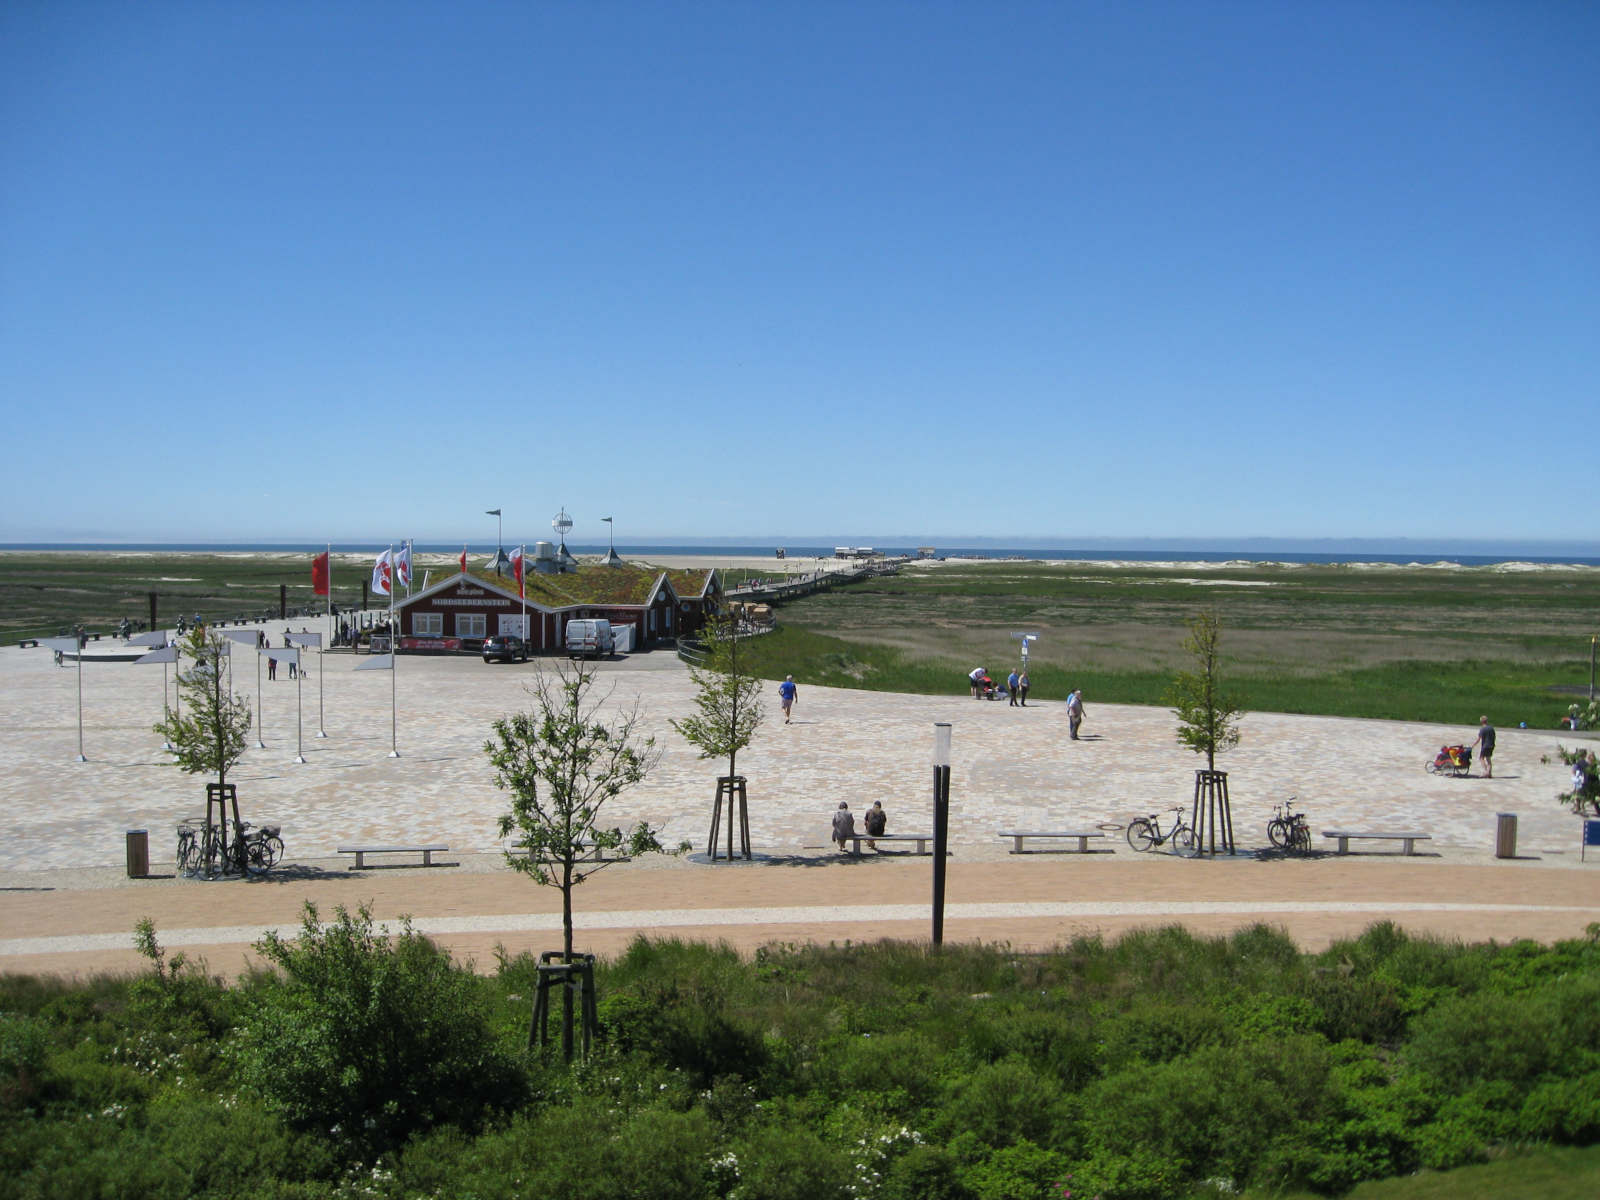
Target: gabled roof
<point>627,587</point>
<point>693,584</point>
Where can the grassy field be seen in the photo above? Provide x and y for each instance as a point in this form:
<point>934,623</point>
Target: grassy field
<point>1437,643</point>
<point>1441,644</point>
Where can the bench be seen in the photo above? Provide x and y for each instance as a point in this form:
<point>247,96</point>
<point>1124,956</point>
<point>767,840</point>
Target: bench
<point>1018,836</point>
<point>587,852</point>
<point>361,853</point>
<point>1408,841</point>
<point>921,839</point>
<point>28,644</point>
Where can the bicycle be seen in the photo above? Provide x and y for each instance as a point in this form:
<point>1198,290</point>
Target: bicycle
<point>1288,829</point>
<point>261,850</point>
<point>200,850</point>
<point>1144,833</point>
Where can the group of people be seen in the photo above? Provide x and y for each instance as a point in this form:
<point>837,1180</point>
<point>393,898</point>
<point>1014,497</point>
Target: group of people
<point>1015,687</point>
<point>844,824</point>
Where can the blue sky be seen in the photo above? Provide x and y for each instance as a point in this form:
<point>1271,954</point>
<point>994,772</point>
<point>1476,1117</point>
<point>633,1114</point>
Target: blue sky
<point>776,270</point>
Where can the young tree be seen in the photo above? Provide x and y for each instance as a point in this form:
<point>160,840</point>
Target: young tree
<point>561,762</point>
<point>728,709</point>
<point>1207,718</point>
<point>209,728</point>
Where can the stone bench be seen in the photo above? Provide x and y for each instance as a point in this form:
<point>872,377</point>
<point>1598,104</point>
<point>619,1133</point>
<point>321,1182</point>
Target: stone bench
<point>921,839</point>
<point>361,853</point>
<point>1408,841</point>
<point>1018,836</point>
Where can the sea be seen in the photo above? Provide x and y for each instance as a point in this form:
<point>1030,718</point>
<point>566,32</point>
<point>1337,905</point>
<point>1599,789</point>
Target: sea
<point>1178,551</point>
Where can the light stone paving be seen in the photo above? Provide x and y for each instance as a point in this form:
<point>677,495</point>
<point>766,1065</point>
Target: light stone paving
<point>1013,767</point>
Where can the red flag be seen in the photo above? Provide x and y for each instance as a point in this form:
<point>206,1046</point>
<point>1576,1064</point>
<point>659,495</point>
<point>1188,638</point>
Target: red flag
<point>319,574</point>
<point>516,570</point>
<point>463,560</point>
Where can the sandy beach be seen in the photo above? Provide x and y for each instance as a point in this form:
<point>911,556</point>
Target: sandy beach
<point>68,906</point>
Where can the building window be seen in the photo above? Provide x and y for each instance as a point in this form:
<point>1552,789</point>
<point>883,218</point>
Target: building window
<point>471,625</point>
<point>427,625</point>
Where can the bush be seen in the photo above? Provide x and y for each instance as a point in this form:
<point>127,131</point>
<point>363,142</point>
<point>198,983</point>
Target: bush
<point>369,1038</point>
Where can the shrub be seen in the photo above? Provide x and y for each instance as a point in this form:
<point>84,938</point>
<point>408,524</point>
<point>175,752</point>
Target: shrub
<point>370,1038</point>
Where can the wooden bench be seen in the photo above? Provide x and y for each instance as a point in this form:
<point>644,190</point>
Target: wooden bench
<point>1408,841</point>
<point>921,839</point>
<point>1018,836</point>
<point>361,853</point>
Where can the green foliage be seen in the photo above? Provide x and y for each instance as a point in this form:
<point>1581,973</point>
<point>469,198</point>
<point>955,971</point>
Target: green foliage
<point>1207,716</point>
<point>1159,1065</point>
<point>561,763</point>
<point>369,1037</point>
<point>728,708</point>
<point>208,728</point>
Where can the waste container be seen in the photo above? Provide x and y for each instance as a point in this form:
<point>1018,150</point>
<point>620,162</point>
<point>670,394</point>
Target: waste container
<point>1505,835</point>
<point>138,853</point>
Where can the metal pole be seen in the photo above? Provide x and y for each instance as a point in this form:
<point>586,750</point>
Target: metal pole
<point>394,667</point>
<point>941,822</point>
<point>1591,669</point>
<point>326,638</point>
<point>81,648</point>
<point>299,740</point>
<point>260,745</point>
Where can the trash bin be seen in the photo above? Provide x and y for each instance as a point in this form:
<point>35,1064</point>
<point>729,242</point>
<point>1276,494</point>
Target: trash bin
<point>138,853</point>
<point>1505,835</point>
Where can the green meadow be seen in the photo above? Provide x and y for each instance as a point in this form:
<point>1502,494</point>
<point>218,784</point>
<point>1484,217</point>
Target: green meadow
<point>1440,644</point>
<point>1444,644</point>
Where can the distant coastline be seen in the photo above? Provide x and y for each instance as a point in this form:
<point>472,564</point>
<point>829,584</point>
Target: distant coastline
<point>1251,551</point>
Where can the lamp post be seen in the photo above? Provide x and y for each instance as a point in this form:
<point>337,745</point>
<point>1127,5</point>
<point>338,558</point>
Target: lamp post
<point>941,821</point>
<point>612,529</point>
<point>499,537</point>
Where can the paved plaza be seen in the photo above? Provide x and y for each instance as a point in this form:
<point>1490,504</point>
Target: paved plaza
<point>1014,768</point>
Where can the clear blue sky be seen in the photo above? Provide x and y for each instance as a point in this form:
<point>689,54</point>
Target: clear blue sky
<point>933,270</point>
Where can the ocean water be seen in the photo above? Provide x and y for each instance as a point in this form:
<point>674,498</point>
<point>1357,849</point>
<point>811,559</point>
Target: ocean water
<point>1146,552</point>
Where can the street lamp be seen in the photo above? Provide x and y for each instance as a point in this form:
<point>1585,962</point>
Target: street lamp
<point>612,531</point>
<point>941,821</point>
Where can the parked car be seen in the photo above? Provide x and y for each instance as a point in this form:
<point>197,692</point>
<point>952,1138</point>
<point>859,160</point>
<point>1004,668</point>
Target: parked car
<point>507,647</point>
<point>589,637</point>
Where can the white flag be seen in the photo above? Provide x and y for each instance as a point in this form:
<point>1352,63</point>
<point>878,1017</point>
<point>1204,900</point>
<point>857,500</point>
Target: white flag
<point>402,566</point>
<point>381,574</point>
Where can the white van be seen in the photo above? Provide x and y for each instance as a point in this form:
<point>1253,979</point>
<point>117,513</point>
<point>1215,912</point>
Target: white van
<point>589,637</point>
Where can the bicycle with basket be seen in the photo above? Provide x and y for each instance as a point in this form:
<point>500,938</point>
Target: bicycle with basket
<point>252,851</point>
<point>1288,829</point>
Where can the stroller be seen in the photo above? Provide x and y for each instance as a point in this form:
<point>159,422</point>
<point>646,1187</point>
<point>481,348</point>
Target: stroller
<point>1451,760</point>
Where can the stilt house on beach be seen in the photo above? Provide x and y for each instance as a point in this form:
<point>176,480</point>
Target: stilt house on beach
<point>646,606</point>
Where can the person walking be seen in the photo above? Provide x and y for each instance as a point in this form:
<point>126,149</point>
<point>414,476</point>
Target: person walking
<point>787,692</point>
<point>844,825</point>
<point>1075,712</point>
<point>1022,686</point>
<point>876,822</point>
<point>1012,684</point>
<point>1485,744</point>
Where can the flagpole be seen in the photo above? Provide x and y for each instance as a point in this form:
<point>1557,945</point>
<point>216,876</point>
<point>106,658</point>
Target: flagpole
<point>299,739</point>
<point>522,590</point>
<point>81,648</point>
<point>326,638</point>
<point>260,745</point>
<point>394,666</point>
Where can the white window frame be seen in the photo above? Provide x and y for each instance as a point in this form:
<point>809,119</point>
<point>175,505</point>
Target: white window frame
<point>427,624</point>
<point>472,625</point>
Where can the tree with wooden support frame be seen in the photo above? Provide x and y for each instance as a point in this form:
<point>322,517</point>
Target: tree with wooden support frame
<point>561,762</point>
<point>208,732</point>
<point>728,711</point>
<point>1207,724</point>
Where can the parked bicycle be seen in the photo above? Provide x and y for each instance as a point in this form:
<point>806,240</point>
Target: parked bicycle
<point>1288,829</point>
<point>200,853</point>
<point>1144,833</point>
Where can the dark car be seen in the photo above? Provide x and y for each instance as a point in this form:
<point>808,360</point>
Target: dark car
<point>505,648</point>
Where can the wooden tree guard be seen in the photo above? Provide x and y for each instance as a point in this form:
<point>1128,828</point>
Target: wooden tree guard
<point>729,787</point>
<point>224,796</point>
<point>577,975</point>
<point>1213,814</point>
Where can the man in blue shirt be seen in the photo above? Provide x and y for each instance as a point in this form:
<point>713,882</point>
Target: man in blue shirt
<point>786,695</point>
<point>1011,687</point>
